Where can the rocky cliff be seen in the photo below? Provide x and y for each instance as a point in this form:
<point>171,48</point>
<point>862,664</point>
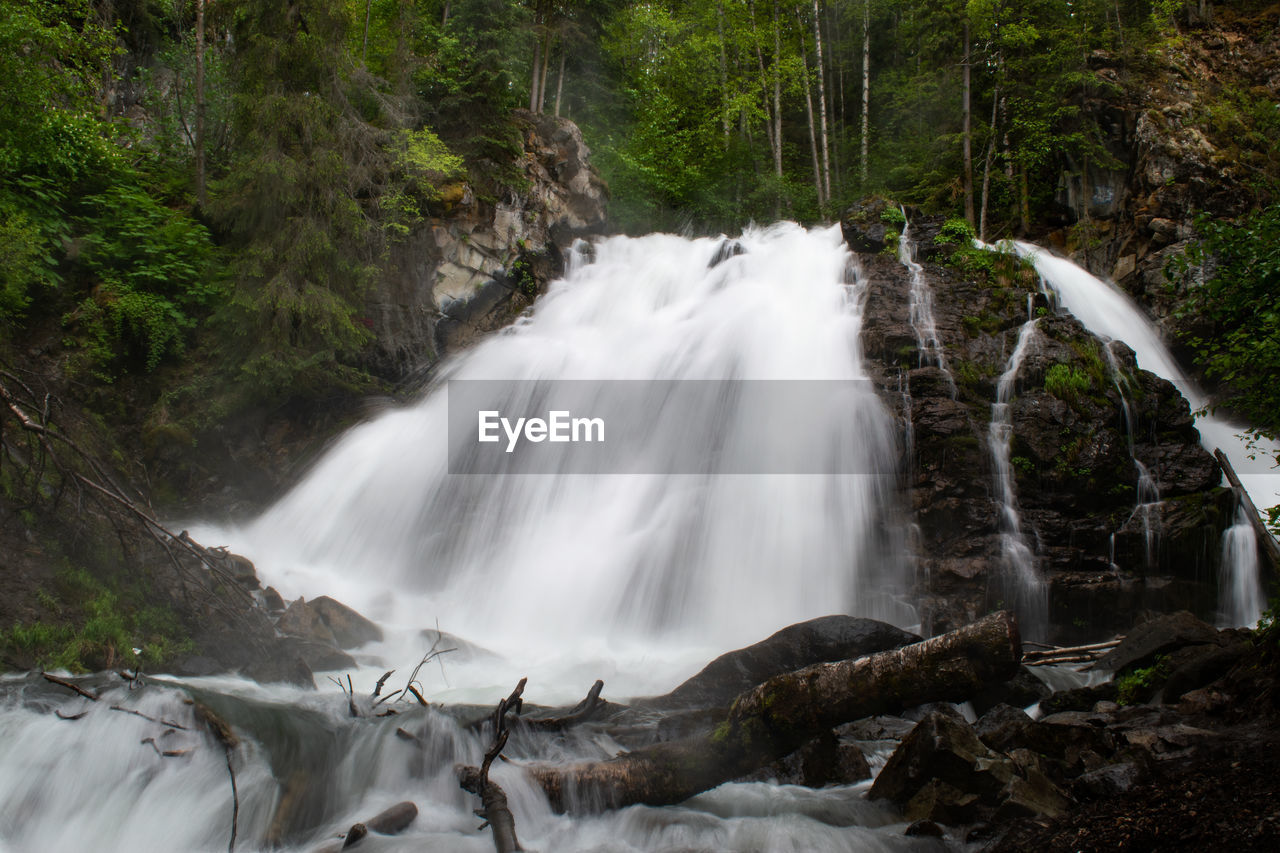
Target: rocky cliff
<point>1105,551</point>
<point>1189,131</point>
<point>476,263</point>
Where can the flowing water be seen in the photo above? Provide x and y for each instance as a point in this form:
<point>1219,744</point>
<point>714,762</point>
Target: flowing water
<point>1108,313</point>
<point>920,304</point>
<point>563,579</point>
<point>1024,585</point>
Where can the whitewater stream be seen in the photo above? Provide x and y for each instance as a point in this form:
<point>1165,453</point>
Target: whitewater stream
<point>563,578</point>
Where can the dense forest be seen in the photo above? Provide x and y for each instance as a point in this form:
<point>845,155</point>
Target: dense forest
<point>197,197</point>
<point>224,179</point>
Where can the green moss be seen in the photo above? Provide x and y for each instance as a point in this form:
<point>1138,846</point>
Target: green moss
<point>1133,686</point>
<point>1067,382</point>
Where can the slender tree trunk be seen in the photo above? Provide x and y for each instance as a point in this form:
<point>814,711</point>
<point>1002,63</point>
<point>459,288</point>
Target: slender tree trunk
<point>866,83</point>
<point>986,166</point>
<point>822,105</point>
<point>808,108</point>
<point>201,196</point>
<point>444,17</point>
<point>968,128</point>
<point>546,65</point>
<point>764,82</point>
<point>536,74</point>
<point>724,73</point>
<point>364,50</point>
<point>777,106</point>
<point>560,80</point>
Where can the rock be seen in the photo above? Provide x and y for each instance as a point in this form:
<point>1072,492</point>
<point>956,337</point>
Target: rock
<point>828,638</point>
<point>942,750</point>
<point>1200,666</point>
<point>1079,698</point>
<point>822,761</point>
<point>1107,781</point>
<point>1002,727</point>
<point>349,628</point>
<point>1020,691</point>
<point>393,820</point>
<point>461,649</point>
<point>242,569</point>
<point>726,250</point>
<point>283,668</point>
<point>319,657</point>
<point>302,621</point>
<point>197,666</point>
<point>938,801</point>
<point>272,600</point>
<point>883,727</point>
<point>1154,637</point>
<point>1204,701</point>
<point>923,829</point>
<point>1031,796</point>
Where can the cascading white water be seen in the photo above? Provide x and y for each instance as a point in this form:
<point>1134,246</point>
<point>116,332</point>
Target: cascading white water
<point>636,579</point>
<point>1109,313</point>
<point>920,304</point>
<point>1240,597</point>
<point>1147,492</point>
<point>1018,560</point>
<point>623,568</point>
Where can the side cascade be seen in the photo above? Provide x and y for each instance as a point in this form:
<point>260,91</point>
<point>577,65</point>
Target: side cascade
<point>1023,581</point>
<point>920,303</point>
<point>1110,314</point>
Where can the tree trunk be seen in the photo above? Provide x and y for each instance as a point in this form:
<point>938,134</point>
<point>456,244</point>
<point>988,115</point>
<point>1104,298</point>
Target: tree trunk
<point>777,108</point>
<point>538,61</point>
<point>201,196</point>
<point>866,81</point>
<point>776,717</point>
<point>808,108</point>
<point>822,106</point>
<point>724,73</point>
<point>364,50</point>
<point>546,65</point>
<point>764,83</point>
<point>986,166</point>
<point>968,129</point>
<point>560,80</point>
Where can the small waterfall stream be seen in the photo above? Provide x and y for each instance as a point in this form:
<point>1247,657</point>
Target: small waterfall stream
<point>1022,577</point>
<point>1110,314</point>
<point>920,303</point>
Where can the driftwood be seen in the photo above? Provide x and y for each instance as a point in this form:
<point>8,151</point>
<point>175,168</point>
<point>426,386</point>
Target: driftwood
<point>1069,654</point>
<point>72,686</point>
<point>776,717</point>
<point>494,809</point>
<point>580,713</point>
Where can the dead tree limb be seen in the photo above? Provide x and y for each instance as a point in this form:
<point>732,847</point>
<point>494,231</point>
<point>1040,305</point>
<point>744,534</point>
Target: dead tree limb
<point>776,717</point>
<point>580,713</point>
<point>162,722</point>
<point>62,682</point>
<point>494,809</point>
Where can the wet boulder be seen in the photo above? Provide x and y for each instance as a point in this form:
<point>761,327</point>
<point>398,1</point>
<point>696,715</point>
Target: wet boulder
<point>349,628</point>
<point>1157,636</point>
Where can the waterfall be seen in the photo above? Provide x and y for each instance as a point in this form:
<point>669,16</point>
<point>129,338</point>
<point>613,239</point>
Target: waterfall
<point>1240,597</point>
<point>920,303</point>
<point>1108,313</point>
<point>1022,578</point>
<point>1146,492</point>
<point>623,570</point>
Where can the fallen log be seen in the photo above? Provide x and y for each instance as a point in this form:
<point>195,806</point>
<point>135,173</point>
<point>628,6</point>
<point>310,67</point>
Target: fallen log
<point>774,718</point>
